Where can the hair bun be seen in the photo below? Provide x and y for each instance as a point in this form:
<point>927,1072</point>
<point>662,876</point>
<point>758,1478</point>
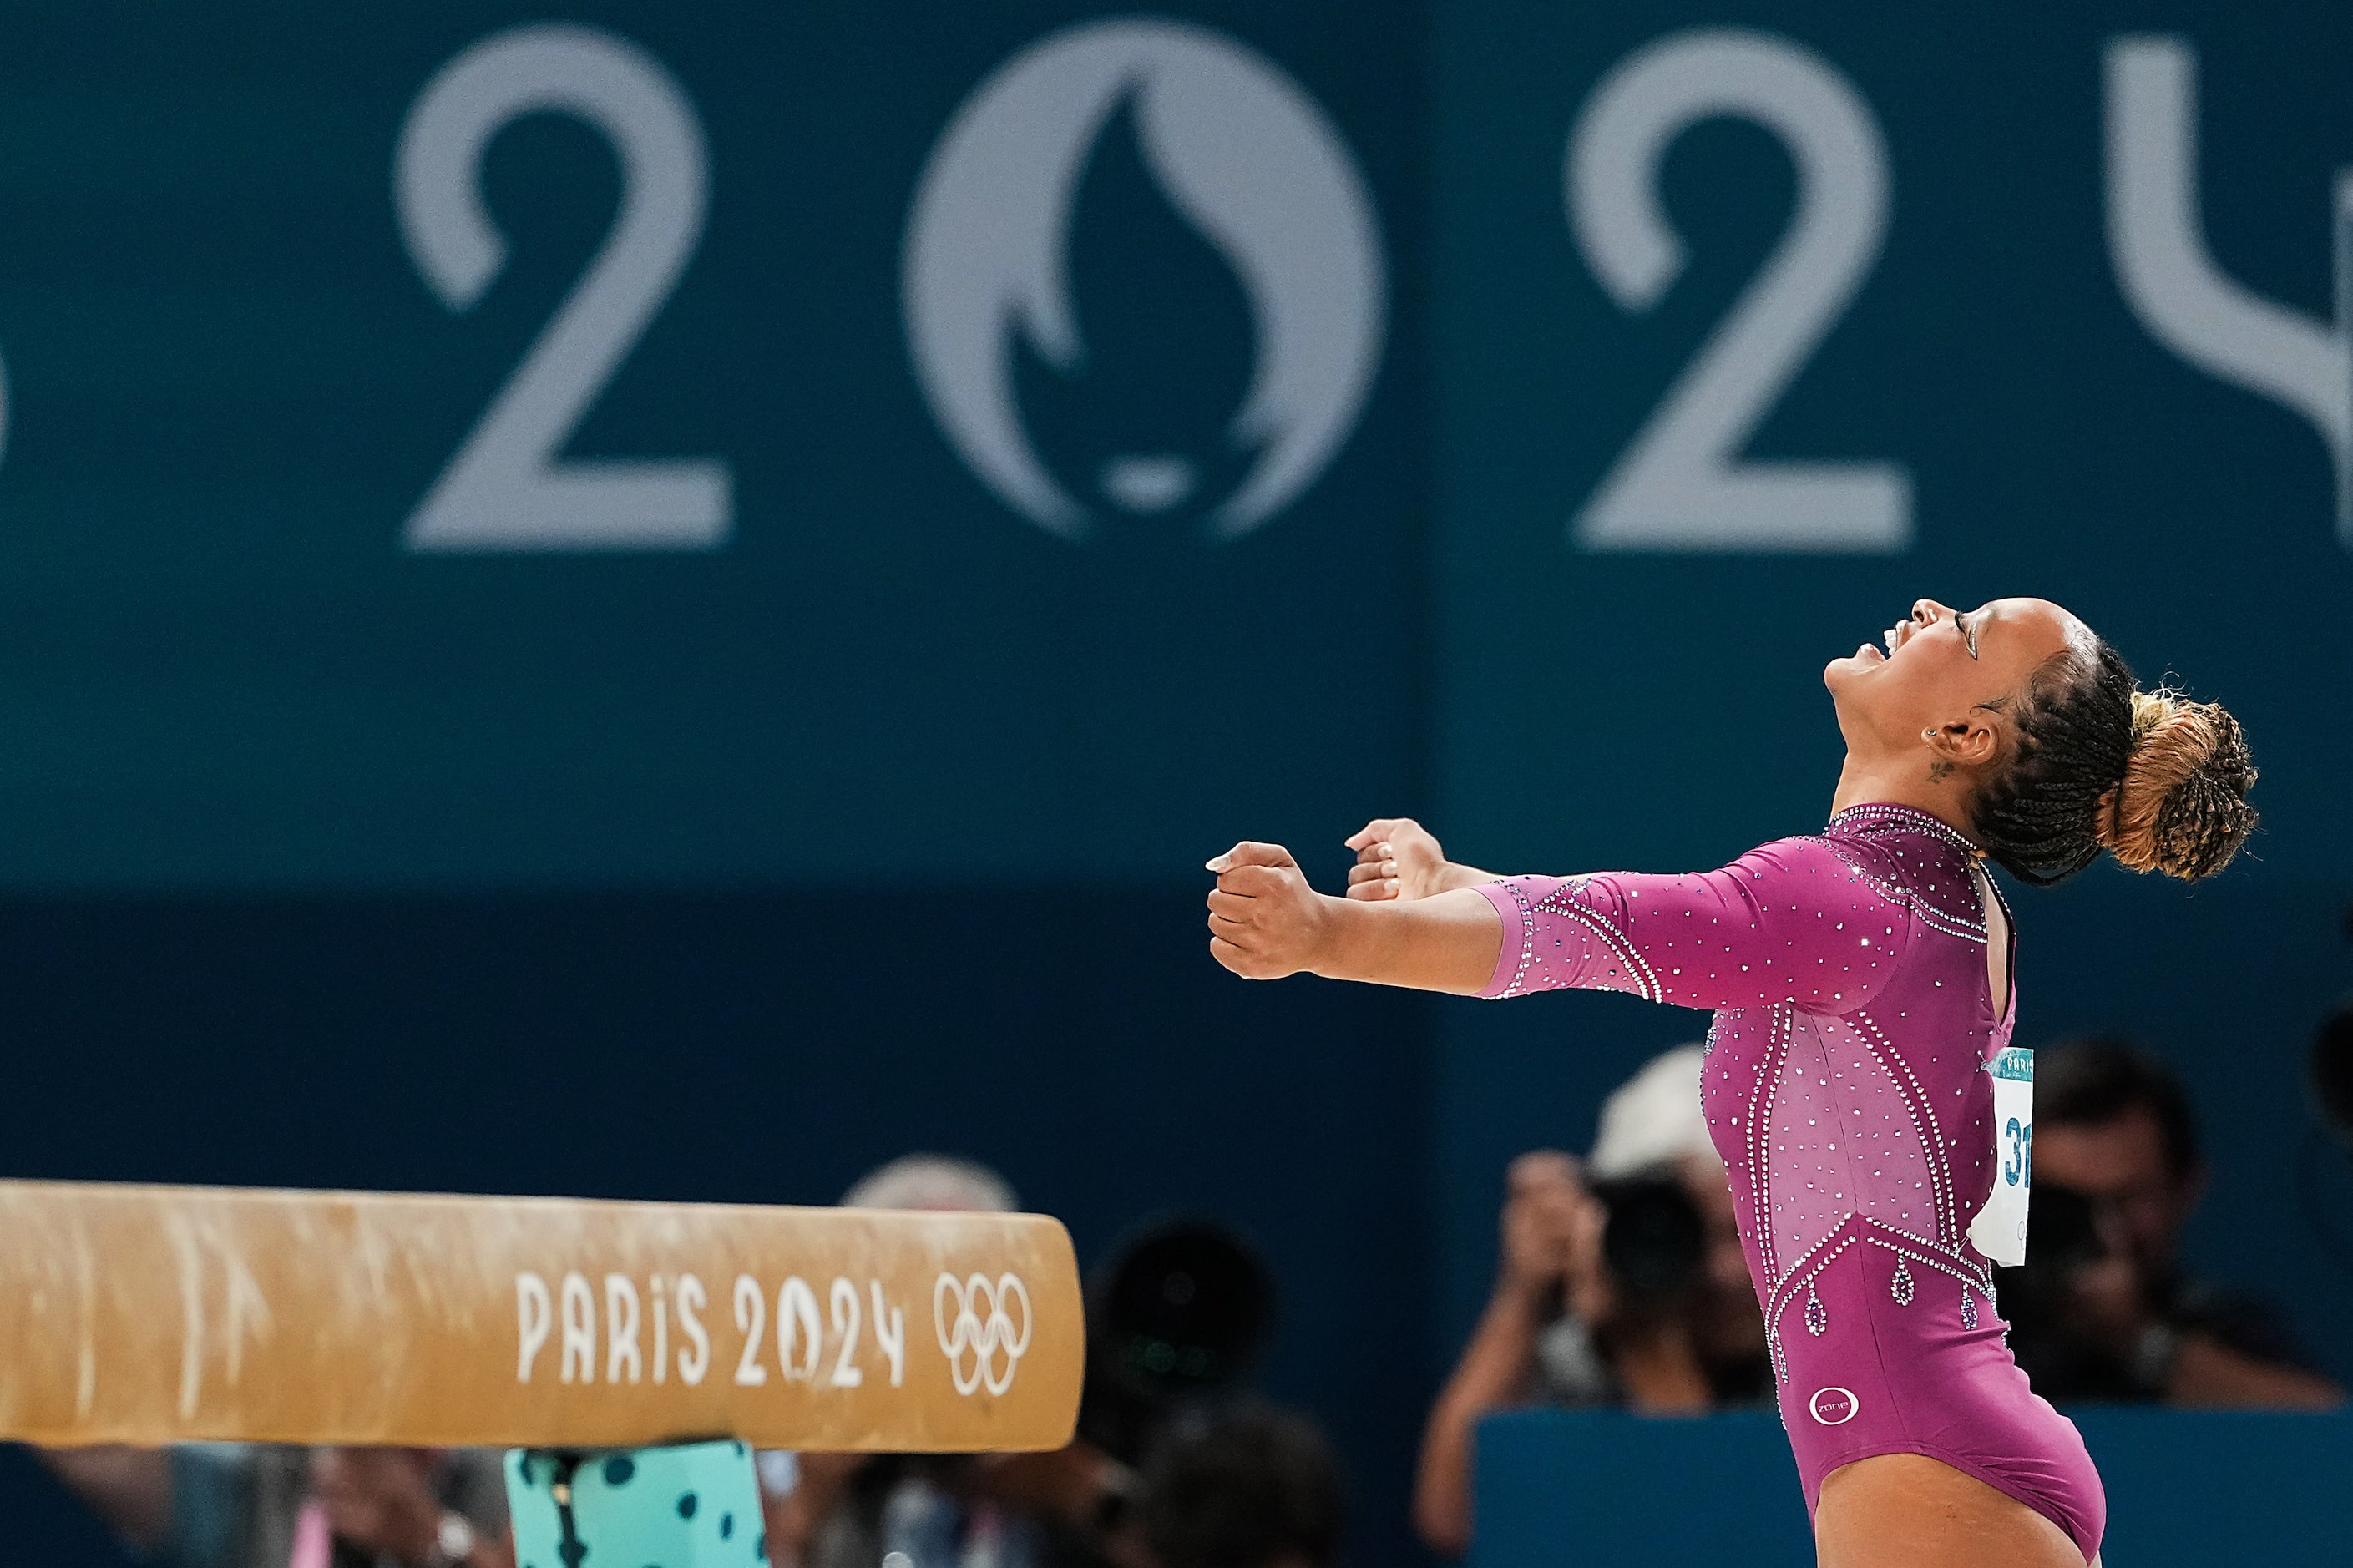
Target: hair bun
<point>2183,806</point>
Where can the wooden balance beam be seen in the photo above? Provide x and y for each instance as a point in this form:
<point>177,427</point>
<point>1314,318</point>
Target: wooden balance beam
<point>153,1315</point>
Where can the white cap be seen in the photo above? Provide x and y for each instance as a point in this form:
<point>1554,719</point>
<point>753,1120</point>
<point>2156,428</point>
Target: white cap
<point>1654,1119</point>
<point>940,1183</point>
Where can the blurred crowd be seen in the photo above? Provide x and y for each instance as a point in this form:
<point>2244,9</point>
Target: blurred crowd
<point>1621,1282</point>
<point>1176,1465</point>
<point>2107,1308</point>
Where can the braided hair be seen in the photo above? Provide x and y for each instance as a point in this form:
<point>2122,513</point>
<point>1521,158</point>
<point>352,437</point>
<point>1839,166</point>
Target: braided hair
<point>2156,780</point>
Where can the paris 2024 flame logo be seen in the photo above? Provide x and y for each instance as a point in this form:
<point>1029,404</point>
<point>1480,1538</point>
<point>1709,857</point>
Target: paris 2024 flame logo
<point>1247,161</point>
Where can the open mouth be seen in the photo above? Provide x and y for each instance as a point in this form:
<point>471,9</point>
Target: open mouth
<point>1891,642</point>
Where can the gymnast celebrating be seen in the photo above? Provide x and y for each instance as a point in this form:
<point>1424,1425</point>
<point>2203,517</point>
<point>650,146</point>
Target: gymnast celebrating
<point>1861,978</point>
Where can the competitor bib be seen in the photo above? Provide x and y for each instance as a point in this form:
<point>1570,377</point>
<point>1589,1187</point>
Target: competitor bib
<point>1999,1229</point>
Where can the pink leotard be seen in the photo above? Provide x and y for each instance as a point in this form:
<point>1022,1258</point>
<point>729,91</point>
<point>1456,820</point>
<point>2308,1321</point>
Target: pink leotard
<point>1846,1087</point>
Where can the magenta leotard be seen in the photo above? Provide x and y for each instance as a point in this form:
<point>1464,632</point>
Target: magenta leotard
<point>1847,1088</point>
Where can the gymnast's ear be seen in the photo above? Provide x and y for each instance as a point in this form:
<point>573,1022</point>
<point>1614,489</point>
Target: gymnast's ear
<point>1969,741</point>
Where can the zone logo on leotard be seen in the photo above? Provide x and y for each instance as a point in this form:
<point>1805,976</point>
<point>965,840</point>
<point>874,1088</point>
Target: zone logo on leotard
<point>1833,1406</point>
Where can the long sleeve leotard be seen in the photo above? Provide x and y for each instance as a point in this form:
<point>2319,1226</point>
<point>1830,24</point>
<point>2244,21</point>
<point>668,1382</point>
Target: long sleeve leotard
<point>1846,1087</point>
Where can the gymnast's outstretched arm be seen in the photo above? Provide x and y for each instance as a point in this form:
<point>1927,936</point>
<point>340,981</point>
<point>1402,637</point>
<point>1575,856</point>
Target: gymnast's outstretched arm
<point>1265,922</point>
<point>1795,921</point>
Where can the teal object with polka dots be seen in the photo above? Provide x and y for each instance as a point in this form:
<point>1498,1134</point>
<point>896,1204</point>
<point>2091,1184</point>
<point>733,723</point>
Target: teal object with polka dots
<point>693,1506</point>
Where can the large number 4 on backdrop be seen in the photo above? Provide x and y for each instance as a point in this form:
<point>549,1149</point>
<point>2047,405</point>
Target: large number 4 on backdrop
<point>2156,240</point>
<point>508,487</point>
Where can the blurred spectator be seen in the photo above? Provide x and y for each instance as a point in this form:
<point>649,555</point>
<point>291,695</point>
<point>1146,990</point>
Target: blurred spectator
<point>1072,1507</point>
<point>210,1505</point>
<point>1254,1486</point>
<point>1621,1283</point>
<point>2104,1308</point>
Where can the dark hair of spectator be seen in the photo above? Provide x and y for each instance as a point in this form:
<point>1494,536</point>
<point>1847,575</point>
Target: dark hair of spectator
<point>1253,1489</point>
<point>2091,1082</point>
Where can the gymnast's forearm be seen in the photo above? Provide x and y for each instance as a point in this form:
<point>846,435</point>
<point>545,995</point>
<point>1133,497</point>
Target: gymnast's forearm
<point>1447,941</point>
<point>1454,875</point>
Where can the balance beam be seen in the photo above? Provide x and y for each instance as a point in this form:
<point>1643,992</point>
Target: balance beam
<point>152,1315</point>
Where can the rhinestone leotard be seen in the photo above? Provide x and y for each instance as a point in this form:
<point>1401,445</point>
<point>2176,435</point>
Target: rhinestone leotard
<point>1846,1087</point>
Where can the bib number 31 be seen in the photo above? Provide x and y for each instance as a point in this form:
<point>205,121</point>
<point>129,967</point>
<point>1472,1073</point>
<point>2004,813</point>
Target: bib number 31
<point>1999,1229</point>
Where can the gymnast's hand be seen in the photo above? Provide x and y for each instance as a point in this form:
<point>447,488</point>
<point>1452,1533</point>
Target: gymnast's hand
<point>1265,922</point>
<point>1397,857</point>
<point>1399,860</point>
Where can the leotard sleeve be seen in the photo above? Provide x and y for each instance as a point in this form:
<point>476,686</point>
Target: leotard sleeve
<point>1795,921</point>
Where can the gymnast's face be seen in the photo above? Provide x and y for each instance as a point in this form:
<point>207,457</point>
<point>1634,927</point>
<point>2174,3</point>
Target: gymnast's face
<point>1940,678</point>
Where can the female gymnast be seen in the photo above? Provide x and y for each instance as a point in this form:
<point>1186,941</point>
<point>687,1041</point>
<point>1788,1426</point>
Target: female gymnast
<point>1861,979</point>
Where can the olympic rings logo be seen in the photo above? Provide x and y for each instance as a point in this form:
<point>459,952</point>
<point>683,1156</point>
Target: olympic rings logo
<point>981,1326</point>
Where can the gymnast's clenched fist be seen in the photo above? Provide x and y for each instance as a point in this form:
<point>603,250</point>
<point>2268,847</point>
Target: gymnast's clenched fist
<point>1265,922</point>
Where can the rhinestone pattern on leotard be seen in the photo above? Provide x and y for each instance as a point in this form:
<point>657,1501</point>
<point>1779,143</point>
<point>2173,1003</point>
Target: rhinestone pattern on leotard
<point>1848,1107</point>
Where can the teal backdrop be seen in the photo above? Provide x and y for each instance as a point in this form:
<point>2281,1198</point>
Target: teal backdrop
<point>665,600</point>
<point>231,386</point>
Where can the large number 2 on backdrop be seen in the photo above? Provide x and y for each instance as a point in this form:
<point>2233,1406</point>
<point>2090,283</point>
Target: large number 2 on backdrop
<point>1682,485</point>
<point>508,487</point>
